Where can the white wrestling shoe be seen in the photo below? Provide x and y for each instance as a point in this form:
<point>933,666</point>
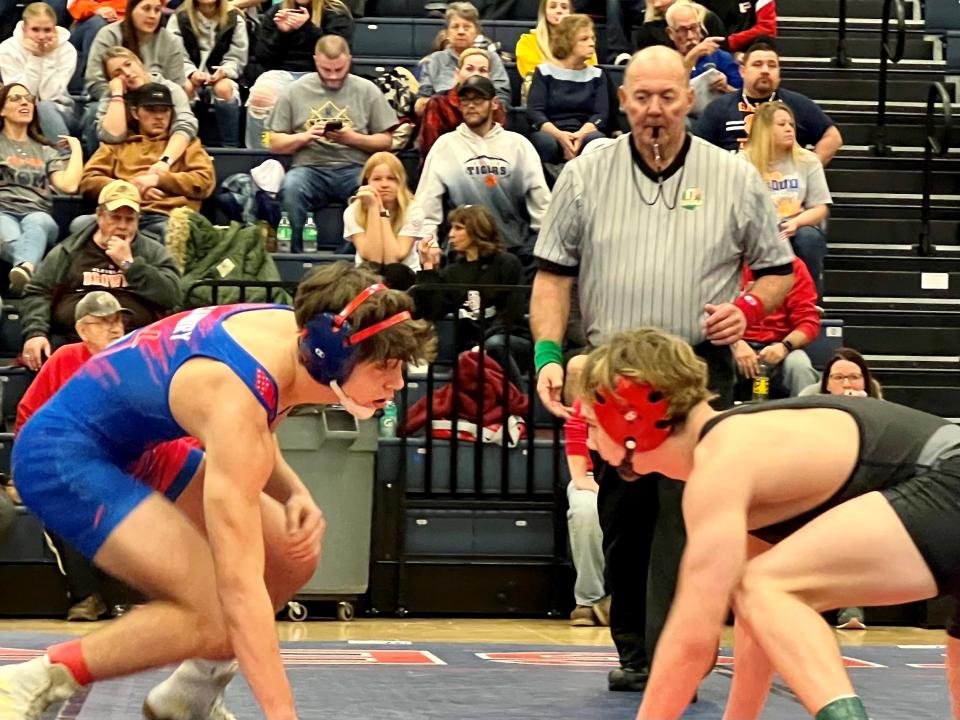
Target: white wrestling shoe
<point>29,688</point>
<point>193,692</point>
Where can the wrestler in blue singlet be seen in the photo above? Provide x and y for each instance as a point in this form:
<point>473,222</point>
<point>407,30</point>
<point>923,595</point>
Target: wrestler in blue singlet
<point>72,459</point>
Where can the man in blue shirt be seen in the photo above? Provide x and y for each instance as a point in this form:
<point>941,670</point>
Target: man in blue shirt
<point>727,121</point>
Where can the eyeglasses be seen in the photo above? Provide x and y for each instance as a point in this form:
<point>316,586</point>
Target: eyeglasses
<point>687,30</point>
<point>473,101</point>
<point>20,97</point>
<point>852,377</point>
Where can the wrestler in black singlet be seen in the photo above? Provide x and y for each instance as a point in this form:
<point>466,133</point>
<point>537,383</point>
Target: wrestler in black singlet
<point>911,457</point>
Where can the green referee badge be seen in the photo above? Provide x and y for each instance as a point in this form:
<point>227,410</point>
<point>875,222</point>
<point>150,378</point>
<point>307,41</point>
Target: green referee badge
<point>692,198</point>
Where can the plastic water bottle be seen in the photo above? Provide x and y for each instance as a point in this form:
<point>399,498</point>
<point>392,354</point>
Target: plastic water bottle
<point>310,235</point>
<point>388,421</point>
<point>761,384</point>
<point>284,234</point>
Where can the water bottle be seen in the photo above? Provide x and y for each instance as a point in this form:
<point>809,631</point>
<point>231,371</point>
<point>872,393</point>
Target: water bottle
<point>310,235</point>
<point>388,421</point>
<point>761,384</point>
<point>284,234</point>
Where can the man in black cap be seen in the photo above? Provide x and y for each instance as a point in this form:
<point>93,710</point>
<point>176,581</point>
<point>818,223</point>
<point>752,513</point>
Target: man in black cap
<point>185,182</point>
<point>480,163</point>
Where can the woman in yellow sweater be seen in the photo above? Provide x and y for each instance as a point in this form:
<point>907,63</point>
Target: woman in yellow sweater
<point>533,47</point>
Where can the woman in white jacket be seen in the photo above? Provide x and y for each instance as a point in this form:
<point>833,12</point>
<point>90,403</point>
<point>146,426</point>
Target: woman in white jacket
<point>40,57</point>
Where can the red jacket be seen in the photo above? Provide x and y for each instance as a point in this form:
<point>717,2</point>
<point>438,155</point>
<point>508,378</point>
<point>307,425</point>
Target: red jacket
<point>442,115</point>
<point>470,376</point>
<point>53,374</point>
<point>745,20</point>
<point>798,312</point>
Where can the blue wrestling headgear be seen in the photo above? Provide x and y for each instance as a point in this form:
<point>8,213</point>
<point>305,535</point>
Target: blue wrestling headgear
<point>328,345</point>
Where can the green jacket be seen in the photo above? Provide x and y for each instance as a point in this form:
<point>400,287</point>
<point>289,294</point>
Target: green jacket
<point>206,252</point>
<point>153,276</point>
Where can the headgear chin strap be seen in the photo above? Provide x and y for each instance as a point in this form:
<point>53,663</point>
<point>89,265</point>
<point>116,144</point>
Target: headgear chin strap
<point>633,415</point>
<point>328,345</point>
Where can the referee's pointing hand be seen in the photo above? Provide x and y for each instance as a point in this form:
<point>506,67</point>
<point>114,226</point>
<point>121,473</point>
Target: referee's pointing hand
<point>725,324</point>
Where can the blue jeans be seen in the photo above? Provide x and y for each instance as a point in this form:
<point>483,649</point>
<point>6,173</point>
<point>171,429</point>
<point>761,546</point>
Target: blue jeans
<point>810,245</point>
<point>81,37</point>
<point>622,15</point>
<point>24,238</point>
<point>308,188</point>
<point>53,121</point>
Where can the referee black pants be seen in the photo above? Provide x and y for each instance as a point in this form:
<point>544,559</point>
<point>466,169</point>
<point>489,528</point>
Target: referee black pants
<point>644,537</point>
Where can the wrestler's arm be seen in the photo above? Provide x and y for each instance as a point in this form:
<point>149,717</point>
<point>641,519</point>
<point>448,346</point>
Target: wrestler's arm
<point>283,481</point>
<point>715,512</point>
<point>240,457</point>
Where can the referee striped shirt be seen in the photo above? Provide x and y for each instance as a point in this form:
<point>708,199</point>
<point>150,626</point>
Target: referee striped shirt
<point>639,262</point>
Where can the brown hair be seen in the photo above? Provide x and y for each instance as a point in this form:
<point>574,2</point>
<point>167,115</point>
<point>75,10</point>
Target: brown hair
<point>564,38</point>
<point>331,287</point>
<point>36,9</point>
<point>761,44</point>
<point>33,129</point>
<point>480,226</point>
<point>192,12</point>
<point>653,356</point>
<point>465,10</point>
<point>870,386</point>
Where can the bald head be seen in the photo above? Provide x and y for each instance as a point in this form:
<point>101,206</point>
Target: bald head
<point>656,62</point>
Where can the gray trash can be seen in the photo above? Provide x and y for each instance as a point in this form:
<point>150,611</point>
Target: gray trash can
<point>334,454</point>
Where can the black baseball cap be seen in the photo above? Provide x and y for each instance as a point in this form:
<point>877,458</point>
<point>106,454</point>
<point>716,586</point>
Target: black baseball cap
<point>151,94</point>
<point>478,84</point>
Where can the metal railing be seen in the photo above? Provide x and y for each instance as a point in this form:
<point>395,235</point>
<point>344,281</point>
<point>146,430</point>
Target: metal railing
<point>935,144</point>
<point>894,55</point>
<point>842,59</point>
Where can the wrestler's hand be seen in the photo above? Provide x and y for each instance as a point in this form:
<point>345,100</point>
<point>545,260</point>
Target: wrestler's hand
<point>550,390</point>
<point>305,526</point>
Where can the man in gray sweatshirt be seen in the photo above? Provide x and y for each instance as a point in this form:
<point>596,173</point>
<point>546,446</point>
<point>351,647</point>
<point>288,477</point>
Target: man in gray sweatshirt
<point>480,163</point>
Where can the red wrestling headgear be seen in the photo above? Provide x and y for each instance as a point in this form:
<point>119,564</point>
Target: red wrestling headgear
<point>633,414</point>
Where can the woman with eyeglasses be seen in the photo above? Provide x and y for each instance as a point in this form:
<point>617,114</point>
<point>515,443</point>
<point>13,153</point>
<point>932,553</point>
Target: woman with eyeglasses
<point>31,168</point>
<point>847,373</point>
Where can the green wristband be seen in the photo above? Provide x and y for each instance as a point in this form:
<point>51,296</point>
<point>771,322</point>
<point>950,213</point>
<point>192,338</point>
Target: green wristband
<point>546,352</point>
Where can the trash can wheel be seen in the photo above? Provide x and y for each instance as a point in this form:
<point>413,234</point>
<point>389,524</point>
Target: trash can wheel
<point>345,611</point>
<point>296,612</point>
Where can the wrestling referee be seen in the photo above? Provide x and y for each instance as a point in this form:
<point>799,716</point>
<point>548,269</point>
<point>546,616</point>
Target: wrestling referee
<point>655,227</point>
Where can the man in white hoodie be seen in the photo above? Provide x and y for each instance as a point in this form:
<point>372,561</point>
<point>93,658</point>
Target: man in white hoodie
<point>40,57</point>
<point>480,163</point>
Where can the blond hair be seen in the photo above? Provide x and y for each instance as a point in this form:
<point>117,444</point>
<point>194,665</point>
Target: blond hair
<point>404,196</point>
<point>118,51</point>
<point>318,7</point>
<point>564,38</point>
<point>473,51</point>
<point>543,32</point>
<point>221,16</point>
<point>652,356</point>
<point>759,148</point>
<point>331,46</point>
<point>651,13</point>
<point>36,9</point>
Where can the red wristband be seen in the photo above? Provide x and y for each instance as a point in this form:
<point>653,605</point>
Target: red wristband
<point>752,307</point>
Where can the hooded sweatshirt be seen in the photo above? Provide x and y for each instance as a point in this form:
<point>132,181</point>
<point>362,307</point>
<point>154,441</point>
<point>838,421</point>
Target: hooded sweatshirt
<point>45,76</point>
<point>500,171</point>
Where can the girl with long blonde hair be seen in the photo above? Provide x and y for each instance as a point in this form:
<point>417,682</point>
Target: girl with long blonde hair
<point>798,185</point>
<point>380,220</point>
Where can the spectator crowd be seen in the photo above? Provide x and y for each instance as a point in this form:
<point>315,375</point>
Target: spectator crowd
<point>124,102</point>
